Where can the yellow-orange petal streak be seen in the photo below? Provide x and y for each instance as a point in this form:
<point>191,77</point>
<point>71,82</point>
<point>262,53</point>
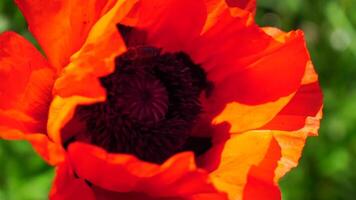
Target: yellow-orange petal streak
<point>260,184</point>
<point>244,117</point>
<point>241,152</point>
<point>244,9</point>
<point>79,84</point>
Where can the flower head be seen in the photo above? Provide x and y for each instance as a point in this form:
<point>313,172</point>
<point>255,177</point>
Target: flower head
<point>153,99</point>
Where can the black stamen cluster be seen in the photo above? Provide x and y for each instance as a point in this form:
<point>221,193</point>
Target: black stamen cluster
<point>151,107</point>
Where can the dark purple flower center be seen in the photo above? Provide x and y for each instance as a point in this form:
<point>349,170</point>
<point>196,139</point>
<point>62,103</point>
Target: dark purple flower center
<point>151,107</point>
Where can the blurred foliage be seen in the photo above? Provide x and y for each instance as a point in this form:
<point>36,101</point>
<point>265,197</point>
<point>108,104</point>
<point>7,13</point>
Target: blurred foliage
<point>327,169</point>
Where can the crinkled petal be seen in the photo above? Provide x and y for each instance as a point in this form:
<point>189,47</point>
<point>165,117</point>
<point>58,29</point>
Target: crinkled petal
<point>254,67</point>
<point>79,83</point>
<point>260,182</point>
<point>246,5</point>
<point>26,83</point>
<point>244,117</point>
<point>25,95</point>
<point>211,196</point>
<point>241,152</point>
<point>170,24</point>
<point>62,26</point>
<point>298,120</point>
<point>219,134</point>
<point>67,187</point>
<point>289,129</point>
<point>102,194</point>
<point>217,10</point>
<point>254,74</point>
<point>307,102</point>
<point>177,177</point>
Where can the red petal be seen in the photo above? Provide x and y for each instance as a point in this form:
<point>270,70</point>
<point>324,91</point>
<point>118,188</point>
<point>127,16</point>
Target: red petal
<point>290,127</point>
<point>241,152</point>
<point>253,72</point>
<point>102,194</point>
<point>79,82</point>
<point>170,24</point>
<point>297,120</point>
<point>62,26</point>
<point>25,94</point>
<point>26,83</point>
<point>306,103</point>
<point>257,190</point>
<point>67,187</point>
<point>260,182</point>
<point>249,5</point>
<point>250,67</point>
<point>178,176</point>
<point>214,196</point>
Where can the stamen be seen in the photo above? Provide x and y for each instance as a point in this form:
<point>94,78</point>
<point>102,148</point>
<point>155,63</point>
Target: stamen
<point>152,105</point>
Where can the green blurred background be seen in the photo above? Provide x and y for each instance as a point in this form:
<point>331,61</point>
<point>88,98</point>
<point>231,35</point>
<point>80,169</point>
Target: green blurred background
<point>327,170</point>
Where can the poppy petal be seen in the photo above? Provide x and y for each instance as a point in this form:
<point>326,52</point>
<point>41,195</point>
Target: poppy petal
<point>241,152</point>
<point>307,102</point>
<point>62,110</point>
<point>256,189</point>
<point>97,55</point>
<point>61,27</point>
<point>67,187</point>
<point>258,68</point>
<point>170,24</point>
<point>26,81</point>
<point>248,5</point>
<point>219,135</point>
<point>25,95</point>
<point>79,82</point>
<point>178,176</point>
<point>244,117</point>
<point>102,194</point>
<point>214,196</point>
<point>218,9</point>
<point>262,69</point>
<point>298,120</point>
<point>260,182</point>
<point>52,153</point>
<point>289,135</point>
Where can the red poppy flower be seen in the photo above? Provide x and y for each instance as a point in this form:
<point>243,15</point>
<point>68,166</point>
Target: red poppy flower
<point>153,99</point>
